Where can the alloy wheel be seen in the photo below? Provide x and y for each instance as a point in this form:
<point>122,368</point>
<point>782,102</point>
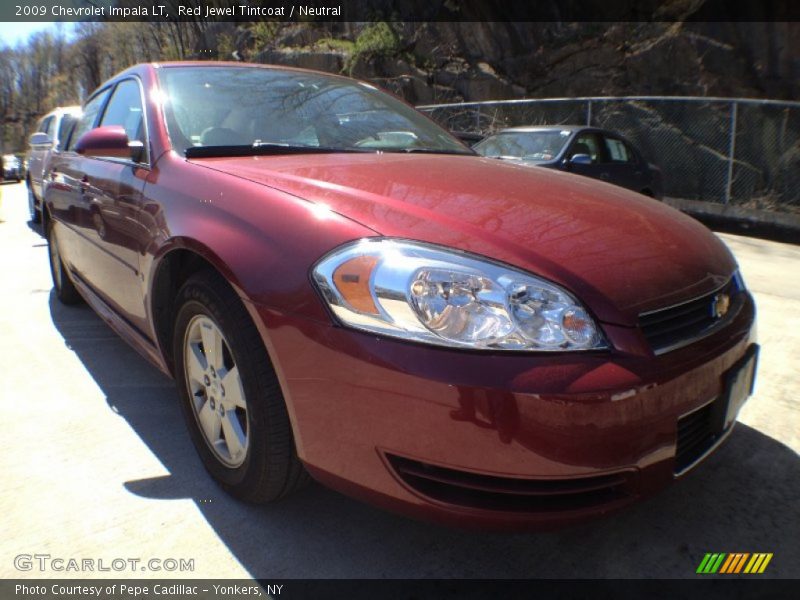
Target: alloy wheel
<point>215,390</point>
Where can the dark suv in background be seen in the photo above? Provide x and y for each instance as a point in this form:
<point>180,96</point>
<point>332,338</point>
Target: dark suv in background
<point>588,151</point>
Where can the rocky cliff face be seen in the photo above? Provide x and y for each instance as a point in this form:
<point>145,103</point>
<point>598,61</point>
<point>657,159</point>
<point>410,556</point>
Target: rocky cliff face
<point>430,63</point>
<point>447,62</point>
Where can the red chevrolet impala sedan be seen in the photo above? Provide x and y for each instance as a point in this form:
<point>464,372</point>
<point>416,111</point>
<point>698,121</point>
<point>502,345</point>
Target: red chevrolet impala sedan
<point>343,290</point>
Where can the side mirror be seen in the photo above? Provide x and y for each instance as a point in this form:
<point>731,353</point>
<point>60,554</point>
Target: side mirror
<point>109,141</point>
<point>40,139</point>
<point>580,159</point>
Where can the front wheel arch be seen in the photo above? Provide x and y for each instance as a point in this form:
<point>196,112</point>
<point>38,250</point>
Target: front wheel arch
<point>171,272</point>
<point>271,468</point>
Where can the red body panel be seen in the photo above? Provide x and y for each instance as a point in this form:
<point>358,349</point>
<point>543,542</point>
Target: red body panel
<point>354,396</point>
<point>594,238</point>
<point>263,222</point>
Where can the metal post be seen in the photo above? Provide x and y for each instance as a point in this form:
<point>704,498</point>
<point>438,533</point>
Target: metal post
<point>589,113</point>
<point>731,151</point>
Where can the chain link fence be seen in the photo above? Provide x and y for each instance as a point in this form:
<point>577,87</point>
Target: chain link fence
<point>725,150</point>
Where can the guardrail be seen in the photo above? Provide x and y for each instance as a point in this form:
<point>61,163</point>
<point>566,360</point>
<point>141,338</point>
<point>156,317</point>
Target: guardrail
<point>727,150</point>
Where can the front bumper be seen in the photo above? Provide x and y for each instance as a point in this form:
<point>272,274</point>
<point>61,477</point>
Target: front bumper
<point>438,433</point>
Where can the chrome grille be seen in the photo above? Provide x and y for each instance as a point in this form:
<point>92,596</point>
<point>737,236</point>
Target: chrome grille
<point>676,326</point>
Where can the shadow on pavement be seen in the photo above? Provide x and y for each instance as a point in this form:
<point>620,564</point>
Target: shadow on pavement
<point>743,499</point>
<point>35,228</point>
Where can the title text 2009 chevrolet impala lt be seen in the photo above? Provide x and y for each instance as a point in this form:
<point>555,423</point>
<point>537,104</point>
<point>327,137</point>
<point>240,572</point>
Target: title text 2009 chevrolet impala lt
<point>342,289</point>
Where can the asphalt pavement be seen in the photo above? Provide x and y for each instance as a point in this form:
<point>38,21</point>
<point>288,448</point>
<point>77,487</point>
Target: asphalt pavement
<point>98,466</point>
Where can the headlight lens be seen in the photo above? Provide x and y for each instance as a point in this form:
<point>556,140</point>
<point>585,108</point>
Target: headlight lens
<point>429,294</point>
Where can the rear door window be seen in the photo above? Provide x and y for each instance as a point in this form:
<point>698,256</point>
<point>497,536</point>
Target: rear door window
<point>618,151</point>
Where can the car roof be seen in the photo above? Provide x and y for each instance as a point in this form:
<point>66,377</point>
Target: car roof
<point>61,110</point>
<point>208,64</point>
<point>572,129</point>
<point>227,63</point>
<point>531,128</point>
<point>139,68</point>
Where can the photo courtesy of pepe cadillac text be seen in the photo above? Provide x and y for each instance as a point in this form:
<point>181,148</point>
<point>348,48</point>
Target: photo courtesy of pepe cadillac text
<point>141,589</point>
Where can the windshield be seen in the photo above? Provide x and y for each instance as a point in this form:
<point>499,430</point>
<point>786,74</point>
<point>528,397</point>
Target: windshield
<point>524,145</point>
<point>225,107</point>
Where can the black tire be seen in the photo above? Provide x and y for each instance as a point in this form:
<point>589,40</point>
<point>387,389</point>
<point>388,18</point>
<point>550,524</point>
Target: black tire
<point>35,213</point>
<point>270,468</point>
<point>62,282</point>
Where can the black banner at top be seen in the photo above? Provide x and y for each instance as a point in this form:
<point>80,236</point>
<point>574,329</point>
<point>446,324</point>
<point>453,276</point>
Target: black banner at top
<point>397,10</point>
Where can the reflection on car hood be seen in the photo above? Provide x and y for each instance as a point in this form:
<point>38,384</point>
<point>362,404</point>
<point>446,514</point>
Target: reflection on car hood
<point>620,252</point>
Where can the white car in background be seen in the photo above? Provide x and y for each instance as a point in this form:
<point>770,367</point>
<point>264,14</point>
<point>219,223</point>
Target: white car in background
<point>51,133</point>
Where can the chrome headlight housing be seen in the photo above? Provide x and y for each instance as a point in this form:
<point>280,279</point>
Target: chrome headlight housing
<point>430,294</point>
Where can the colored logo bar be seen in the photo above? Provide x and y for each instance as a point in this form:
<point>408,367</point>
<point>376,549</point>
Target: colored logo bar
<point>734,563</point>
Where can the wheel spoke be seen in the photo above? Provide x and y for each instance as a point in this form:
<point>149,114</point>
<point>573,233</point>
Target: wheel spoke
<point>234,436</point>
<point>212,345</point>
<point>210,421</point>
<point>234,396</point>
<point>195,366</point>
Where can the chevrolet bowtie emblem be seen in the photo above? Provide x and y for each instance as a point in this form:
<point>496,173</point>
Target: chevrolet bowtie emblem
<point>720,306</point>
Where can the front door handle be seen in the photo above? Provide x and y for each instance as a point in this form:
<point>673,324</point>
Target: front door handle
<point>605,176</point>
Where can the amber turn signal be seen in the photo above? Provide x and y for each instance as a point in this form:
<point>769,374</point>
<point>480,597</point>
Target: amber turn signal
<point>352,280</point>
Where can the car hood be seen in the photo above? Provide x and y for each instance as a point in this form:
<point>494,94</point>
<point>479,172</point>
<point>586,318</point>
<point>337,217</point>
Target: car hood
<point>620,252</point>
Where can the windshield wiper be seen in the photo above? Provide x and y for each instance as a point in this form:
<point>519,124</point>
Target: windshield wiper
<point>262,148</point>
